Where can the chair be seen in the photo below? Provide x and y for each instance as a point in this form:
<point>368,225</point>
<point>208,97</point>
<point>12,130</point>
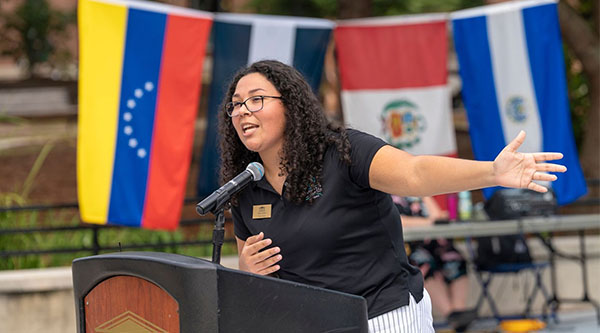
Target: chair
<point>486,273</point>
<point>510,254</point>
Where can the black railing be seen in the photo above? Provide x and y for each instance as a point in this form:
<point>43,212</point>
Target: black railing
<point>96,246</point>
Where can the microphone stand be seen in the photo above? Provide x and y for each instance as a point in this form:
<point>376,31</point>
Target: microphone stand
<point>218,235</point>
<point>219,230</point>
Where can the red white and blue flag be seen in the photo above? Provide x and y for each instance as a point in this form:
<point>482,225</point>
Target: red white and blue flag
<point>394,81</point>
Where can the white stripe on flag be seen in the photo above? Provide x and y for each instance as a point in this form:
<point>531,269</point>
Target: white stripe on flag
<point>512,75</point>
<point>363,110</point>
<point>301,22</point>
<point>394,20</point>
<point>272,40</point>
<point>160,8</point>
<point>498,8</point>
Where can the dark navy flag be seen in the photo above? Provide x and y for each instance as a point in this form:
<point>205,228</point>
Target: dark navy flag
<point>513,75</point>
<point>241,39</point>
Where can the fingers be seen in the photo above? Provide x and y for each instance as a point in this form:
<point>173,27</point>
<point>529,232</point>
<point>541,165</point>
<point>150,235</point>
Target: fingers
<point>257,260</point>
<point>264,262</point>
<point>544,176</point>
<point>550,167</point>
<point>269,263</point>
<point>540,157</point>
<point>537,187</point>
<point>256,243</point>
<point>261,256</point>
<point>269,270</point>
<point>540,176</point>
<point>256,247</point>
<point>253,239</point>
<point>516,142</point>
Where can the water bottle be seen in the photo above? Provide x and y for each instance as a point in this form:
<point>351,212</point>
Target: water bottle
<point>452,206</point>
<point>465,206</point>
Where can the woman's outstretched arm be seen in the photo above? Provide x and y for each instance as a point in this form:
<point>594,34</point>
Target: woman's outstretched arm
<point>397,172</point>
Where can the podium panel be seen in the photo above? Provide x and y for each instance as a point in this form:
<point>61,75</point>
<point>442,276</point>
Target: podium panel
<point>122,304</point>
<point>162,292</point>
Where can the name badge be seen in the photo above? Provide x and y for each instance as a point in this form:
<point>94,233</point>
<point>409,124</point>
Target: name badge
<point>261,211</point>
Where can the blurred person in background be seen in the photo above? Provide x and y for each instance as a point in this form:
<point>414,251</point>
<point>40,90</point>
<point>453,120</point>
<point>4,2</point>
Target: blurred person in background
<point>443,267</point>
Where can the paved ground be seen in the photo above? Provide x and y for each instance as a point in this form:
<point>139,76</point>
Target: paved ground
<point>575,322</point>
<point>582,321</point>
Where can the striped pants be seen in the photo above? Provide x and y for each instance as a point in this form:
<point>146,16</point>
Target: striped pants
<point>413,318</point>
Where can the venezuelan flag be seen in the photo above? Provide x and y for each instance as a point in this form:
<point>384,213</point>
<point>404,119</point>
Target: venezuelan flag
<point>139,85</point>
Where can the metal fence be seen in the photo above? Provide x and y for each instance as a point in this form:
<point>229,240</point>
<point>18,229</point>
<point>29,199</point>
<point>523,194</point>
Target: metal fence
<point>95,231</point>
<point>96,246</point>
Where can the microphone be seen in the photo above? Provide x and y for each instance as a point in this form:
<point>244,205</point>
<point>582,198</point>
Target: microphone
<point>254,171</point>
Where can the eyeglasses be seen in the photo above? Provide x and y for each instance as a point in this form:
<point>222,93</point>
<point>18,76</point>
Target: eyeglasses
<point>253,104</point>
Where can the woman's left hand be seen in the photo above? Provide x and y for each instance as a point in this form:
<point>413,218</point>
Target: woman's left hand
<point>519,170</point>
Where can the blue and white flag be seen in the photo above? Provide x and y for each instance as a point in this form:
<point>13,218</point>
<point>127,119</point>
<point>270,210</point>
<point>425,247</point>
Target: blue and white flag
<point>241,39</point>
<point>513,76</point>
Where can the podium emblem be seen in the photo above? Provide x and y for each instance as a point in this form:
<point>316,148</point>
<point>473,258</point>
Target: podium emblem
<point>128,322</point>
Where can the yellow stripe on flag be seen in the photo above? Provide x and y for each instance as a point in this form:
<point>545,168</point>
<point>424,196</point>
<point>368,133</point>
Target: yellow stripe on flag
<point>102,28</point>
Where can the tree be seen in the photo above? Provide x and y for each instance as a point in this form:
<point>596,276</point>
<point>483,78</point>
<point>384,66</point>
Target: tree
<point>28,32</point>
<point>348,9</point>
<point>581,36</point>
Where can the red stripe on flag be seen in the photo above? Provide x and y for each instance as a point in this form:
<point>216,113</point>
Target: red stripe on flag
<point>176,108</point>
<point>392,56</point>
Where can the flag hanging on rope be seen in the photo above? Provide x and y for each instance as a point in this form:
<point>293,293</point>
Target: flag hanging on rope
<point>240,40</point>
<point>394,81</point>
<point>139,84</point>
<point>513,76</point>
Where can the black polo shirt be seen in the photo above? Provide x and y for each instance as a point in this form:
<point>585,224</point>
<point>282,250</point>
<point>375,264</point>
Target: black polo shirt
<point>349,239</point>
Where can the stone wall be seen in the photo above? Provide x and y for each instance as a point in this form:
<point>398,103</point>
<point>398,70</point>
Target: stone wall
<point>37,300</point>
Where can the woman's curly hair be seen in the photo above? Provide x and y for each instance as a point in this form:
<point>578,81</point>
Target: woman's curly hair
<point>307,133</point>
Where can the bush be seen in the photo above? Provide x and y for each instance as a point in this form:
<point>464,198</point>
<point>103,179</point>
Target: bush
<point>31,33</point>
<point>111,238</point>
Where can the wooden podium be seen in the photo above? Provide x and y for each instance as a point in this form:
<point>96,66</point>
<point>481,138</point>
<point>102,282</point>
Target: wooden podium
<point>162,292</point>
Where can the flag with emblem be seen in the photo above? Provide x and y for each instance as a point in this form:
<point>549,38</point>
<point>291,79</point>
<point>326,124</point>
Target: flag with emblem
<point>394,81</point>
<point>139,84</point>
<point>241,39</point>
<point>513,76</point>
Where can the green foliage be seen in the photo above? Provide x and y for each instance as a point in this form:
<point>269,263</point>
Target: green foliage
<point>577,81</point>
<point>38,240</point>
<point>579,95</point>
<point>10,119</point>
<point>586,10</point>
<point>329,8</point>
<point>112,238</point>
<point>394,7</point>
<point>28,33</point>
<point>306,8</point>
